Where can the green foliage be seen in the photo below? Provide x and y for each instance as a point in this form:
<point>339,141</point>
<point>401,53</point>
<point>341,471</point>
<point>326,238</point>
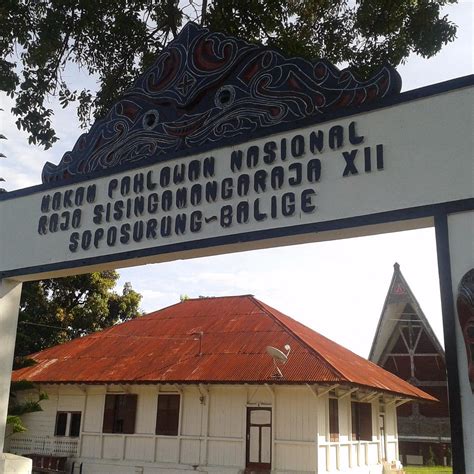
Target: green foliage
<point>428,470</point>
<point>22,385</point>
<point>449,456</point>
<point>2,137</point>
<point>430,461</point>
<point>58,310</point>
<point>115,40</point>
<point>28,404</point>
<point>16,424</point>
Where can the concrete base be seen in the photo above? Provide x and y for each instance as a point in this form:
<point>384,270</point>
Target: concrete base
<point>13,464</point>
<point>394,467</point>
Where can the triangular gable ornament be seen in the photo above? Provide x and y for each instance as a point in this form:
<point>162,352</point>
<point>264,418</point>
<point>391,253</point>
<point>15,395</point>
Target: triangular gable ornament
<point>207,89</point>
<point>405,306</point>
<point>399,289</point>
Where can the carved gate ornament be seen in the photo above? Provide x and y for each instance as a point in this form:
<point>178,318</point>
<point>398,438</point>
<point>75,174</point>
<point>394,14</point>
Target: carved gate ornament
<point>206,88</point>
<point>465,306</point>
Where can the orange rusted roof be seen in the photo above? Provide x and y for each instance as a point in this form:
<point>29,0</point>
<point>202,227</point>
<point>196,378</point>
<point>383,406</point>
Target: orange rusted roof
<point>209,340</point>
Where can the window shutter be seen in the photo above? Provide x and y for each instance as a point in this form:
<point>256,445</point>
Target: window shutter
<point>355,421</point>
<point>365,420</point>
<point>333,419</point>
<point>61,421</point>
<point>75,426</point>
<point>109,414</point>
<point>167,416</point>
<point>130,412</point>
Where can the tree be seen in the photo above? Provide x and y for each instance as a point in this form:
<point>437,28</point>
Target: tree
<point>57,310</point>
<point>2,137</point>
<point>115,40</point>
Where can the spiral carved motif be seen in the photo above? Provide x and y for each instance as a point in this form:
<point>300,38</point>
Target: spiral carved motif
<point>205,88</point>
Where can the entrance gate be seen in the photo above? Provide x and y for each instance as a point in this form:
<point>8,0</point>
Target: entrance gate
<point>223,146</point>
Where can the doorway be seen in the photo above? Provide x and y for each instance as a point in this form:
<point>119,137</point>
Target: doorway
<point>259,440</point>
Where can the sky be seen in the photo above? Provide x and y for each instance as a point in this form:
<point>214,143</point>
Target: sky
<point>337,288</point>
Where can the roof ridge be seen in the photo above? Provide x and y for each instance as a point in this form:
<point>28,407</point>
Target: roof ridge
<point>262,306</point>
<point>396,270</point>
<point>200,298</point>
<point>70,342</point>
<point>152,312</point>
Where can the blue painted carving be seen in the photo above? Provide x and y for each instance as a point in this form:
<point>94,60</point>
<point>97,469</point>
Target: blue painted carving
<point>205,88</point>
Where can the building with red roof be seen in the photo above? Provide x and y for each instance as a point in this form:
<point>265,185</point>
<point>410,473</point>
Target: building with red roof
<point>406,345</point>
<point>195,386</point>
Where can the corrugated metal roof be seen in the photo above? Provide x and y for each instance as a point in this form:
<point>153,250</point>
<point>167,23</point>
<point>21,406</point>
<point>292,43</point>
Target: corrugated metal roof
<point>166,346</point>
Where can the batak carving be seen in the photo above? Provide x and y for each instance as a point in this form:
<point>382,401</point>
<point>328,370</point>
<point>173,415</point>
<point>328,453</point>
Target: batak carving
<point>465,306</point>
<point>207,87</point>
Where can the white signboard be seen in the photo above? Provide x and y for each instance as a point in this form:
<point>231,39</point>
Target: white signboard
<point>407,156</point>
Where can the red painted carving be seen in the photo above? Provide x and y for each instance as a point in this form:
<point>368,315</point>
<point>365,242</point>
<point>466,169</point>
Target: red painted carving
<point>399,290</point>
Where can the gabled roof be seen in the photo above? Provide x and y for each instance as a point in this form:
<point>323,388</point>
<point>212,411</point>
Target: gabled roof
<point>399,297</point>
<point>209,340</point>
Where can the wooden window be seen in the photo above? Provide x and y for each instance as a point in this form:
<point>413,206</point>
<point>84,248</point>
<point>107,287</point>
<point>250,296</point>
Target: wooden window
<point>167,416</point>
<point>333,419</point>
<point>119,413</point>
<point>361,421</point>
<point>68,423</point>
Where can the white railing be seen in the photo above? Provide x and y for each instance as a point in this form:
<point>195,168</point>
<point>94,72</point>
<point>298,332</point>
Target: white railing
<point>25,444</point>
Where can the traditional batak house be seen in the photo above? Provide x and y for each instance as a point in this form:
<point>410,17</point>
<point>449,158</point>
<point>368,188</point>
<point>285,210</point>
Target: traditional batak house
<point>405,345</point>
<point>201,385</point>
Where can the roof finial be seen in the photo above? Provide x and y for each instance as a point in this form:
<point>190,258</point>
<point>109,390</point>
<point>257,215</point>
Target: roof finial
<point>396,267</point>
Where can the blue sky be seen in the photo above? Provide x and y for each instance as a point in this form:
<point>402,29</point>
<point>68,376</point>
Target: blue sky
<point>336,288</point>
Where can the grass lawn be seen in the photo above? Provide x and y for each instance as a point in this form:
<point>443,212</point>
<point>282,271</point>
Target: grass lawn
<point>427,470</point>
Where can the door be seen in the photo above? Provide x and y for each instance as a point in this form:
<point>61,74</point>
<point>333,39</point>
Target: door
<point>259,439</point>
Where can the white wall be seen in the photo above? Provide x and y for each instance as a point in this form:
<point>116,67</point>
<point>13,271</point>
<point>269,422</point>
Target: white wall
<point>296,416</point>
<point>227,426</point>
<point>348,455</point>
<point>212,430</point>
<point>39,436</point>
<point>391,432</point>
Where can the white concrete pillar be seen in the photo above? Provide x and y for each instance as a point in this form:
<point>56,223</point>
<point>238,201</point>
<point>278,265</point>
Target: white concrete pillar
<point>461,250</point>
<point>455,248</point>
<point>10,293</point>
<point>12,464</point>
